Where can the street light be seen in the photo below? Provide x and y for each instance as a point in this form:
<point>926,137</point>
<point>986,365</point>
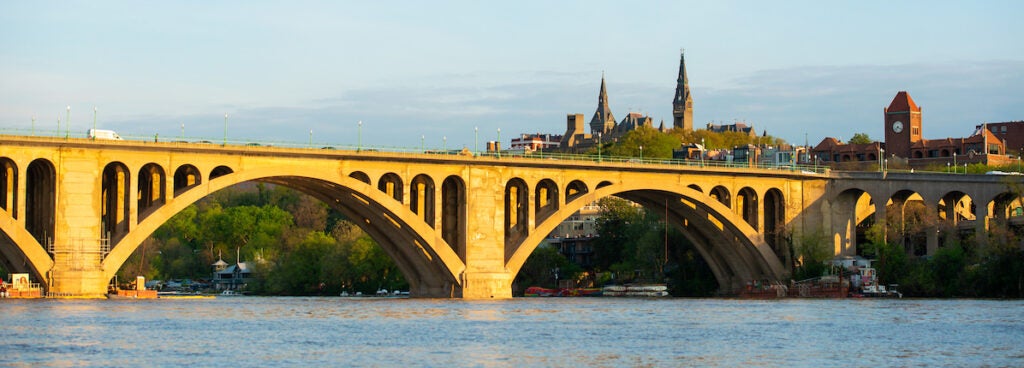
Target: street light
<point>94,110</point>
<point>359,147</point>
<point>881,155</point>
<point>702,148</point>
<point>225,129</point>
<point>67,124</point>
<point>34,129</point>
<point>641,154</point>
<point>444,146</point>
<point>599,144</point>
<point>497,145</point>
<point>954,162</point>
<point>311,138</point>
<point>476,140</point>
<point>423,144</point>
<point>182,131</point>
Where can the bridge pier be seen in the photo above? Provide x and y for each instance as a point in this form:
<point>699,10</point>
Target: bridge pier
<point>78,283</point>
<point>487,285</point>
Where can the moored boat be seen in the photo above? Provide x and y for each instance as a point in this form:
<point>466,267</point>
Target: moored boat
<point>132,294</point>
<point>181,295</point>
<point>636,290</point>
<point>535,291</point>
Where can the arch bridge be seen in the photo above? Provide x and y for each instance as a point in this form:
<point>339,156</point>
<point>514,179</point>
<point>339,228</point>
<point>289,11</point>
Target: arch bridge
<point>73,210</point>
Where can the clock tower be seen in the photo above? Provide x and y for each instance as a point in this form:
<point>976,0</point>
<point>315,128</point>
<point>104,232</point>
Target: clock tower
<point>902,125</point>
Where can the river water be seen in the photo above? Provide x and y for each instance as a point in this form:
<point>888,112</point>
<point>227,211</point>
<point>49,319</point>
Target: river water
<point>565,332</point>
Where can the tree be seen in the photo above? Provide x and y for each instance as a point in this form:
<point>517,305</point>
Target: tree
<point>539,269</point>
<point>615,232</point>
<point>812,252</point>
<point>860,138</point>
<point>655,144</point>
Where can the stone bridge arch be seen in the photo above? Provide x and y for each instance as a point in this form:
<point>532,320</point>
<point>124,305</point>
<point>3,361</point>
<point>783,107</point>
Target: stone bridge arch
<point>425,259</point>
<point>22,253</point>
<point>734,251</point>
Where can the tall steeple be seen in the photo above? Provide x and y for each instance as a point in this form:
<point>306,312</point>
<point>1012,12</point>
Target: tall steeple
<point>682,104</point>
<point>603,120</point>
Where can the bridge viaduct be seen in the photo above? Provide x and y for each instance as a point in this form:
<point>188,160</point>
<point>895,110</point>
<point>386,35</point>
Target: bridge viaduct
<point>73,210</point>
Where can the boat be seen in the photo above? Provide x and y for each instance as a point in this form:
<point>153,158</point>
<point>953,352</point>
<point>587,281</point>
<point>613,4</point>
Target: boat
<point>131,294</point>
<point>230,293</point>
<point>537,291</point>
<point>181,295</point>
<point>866,285</point>
<point>636,290</point>
<point>879,291</point>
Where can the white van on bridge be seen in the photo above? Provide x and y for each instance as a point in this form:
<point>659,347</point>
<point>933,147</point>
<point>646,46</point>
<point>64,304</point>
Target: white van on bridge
<point>103,134</point>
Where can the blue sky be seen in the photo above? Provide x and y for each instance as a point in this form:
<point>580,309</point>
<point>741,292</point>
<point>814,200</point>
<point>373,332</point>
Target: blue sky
<point>440,69</point>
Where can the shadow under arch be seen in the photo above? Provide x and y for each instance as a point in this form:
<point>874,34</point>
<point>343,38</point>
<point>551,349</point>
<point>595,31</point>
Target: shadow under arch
<point>428,263</point>
<point>734,251</point>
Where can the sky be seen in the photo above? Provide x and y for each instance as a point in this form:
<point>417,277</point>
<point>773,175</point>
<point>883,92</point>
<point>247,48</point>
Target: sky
<point>452,73</point>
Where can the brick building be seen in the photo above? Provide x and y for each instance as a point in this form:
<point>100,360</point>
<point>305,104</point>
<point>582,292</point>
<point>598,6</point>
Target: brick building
<point>904,140</point>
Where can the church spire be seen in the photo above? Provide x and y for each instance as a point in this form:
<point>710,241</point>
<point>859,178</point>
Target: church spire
<point>603,120</point>
<point>682,104</point>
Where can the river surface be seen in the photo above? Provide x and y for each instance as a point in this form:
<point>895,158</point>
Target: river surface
<point>522,332</point>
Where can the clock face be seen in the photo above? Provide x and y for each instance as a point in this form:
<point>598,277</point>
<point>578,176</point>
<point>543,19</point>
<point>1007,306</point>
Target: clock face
<point>897,126</point>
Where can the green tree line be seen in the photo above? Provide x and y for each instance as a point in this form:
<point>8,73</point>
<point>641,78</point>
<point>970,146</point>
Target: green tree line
<point>295,244</point>
<point>657,144</point>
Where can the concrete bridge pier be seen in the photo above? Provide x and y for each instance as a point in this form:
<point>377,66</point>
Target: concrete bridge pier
<point>78,283</point>
<point>487,285</point>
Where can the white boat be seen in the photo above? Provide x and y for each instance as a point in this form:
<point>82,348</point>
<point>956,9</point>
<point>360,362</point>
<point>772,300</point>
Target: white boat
<point>637,290</point>
<point>880,291</point>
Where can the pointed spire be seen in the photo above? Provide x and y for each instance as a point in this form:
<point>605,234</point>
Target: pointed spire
<point>682,80</point>
<point>602,97</point>
<point>603,120</point>
<point>682,103</point>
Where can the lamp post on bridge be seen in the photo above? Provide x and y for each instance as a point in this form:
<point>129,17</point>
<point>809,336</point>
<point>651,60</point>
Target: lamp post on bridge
<point>359,142</point>
<point>182,131</point>
<point>497,145</point>
<point>641,154</point>
<point>311,138</point>
<point>702,148</point>
<point>444,144</point>
<point>67,124</point>
<point>225,130</point>
<point>476,141</point>
<point>954,162</point>
<point>600,143</point>
<point>881,156</point>
<point>423,144</point>
<point>94,110</point>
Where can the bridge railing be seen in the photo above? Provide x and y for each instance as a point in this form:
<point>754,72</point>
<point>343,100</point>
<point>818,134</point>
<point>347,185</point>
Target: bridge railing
<point>422,150</point>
